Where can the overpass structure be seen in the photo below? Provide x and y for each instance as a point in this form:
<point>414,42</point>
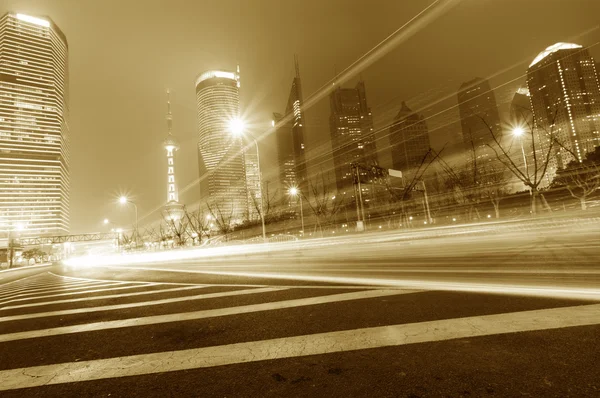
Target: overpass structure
<point>50,240</point>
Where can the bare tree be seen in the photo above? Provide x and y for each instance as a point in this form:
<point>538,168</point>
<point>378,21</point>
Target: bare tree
<point>532,175</point>
<point>198,223</point>
<point>269,203</point>
<point>178,227</point>
<point>321,200</point>
<point>494,187</point>
<point>582,180</point>
<point>222,214</point>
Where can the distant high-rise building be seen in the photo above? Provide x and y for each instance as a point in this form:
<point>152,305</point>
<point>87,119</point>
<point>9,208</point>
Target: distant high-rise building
<point>351,128</point>
<point>565,98</point>
<point>478,114</point>
<point>34,128</point>
<point>520,107</point>
<point>173,209</point>
<point>290,139</point>
<point>220,154</point>
<point>409,140</point>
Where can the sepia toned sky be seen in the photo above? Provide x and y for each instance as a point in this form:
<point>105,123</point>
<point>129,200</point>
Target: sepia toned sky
<point>124,54</point>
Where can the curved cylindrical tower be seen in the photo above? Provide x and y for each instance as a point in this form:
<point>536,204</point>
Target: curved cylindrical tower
<point>220,157</point>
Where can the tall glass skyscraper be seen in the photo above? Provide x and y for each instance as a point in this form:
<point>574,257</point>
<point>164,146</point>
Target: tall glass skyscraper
<point>34,129</point>
<point>221,160</point>
<point>409,140</point>
<point>351,128</point>
<point>478,111</point>
<point>290,140</point>
<point>565,92</point>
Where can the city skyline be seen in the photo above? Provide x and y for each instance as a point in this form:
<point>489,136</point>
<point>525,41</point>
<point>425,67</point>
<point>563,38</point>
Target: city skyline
<point>145,121</point>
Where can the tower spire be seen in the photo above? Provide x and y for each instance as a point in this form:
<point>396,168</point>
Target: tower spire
<point>297,65</point>
<point>169,115</point>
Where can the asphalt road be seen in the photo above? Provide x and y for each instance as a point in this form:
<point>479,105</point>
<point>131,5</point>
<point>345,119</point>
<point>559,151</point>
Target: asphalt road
<point>501,311</point>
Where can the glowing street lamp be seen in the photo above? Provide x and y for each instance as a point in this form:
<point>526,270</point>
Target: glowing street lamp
<point>295,192</point>
<point>519,132</point>
<point>237,128</point>
<point>123,200</point>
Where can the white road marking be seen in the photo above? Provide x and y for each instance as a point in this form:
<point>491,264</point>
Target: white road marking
<point>41,288</point>
<point>108,296</point>
<point>130,281</point>
<point>58,290</point>
<point>139,304</point>
<point>187,316</point>
<point>299,346</point>
<point>81,292</point>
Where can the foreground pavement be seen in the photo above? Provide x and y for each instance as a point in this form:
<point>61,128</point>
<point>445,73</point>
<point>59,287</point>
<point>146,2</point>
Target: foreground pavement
<point>251,328</point>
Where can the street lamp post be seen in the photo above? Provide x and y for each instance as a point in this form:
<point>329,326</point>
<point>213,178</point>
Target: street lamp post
<point>236,127</point>
<point>518,132</point>
<point>123,200</point>
<point>293,191</point>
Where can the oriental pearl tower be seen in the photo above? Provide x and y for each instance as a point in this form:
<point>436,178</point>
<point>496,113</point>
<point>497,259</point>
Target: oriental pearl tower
<point>173,210</point>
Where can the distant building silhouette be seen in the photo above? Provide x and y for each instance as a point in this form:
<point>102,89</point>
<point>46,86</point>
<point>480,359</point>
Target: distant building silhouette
<point>221,161</point>
<point>34,128</point>
<point>478,110</point>
<point>565,91</point>
<point>520,107</point>
<point>409,140</point>
<point>351,128</point>
<point>290,139</point>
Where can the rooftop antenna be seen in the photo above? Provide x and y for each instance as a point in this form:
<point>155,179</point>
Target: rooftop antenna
<point>169,115</point>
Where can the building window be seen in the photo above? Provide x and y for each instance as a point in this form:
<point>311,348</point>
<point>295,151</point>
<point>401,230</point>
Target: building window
<point>170,162</point>
<point>171,178</point>
<point>170,171</point>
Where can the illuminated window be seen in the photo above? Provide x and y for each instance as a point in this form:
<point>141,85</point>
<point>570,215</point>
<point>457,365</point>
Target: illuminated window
<point>171,178</point>
<point>170,171</point>
<point>170,161</point>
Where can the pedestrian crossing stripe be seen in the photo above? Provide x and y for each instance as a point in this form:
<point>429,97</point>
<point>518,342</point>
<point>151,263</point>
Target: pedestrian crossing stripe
<point>299,346</point>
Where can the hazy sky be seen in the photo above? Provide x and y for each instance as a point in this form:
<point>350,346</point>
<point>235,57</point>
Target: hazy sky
<point>124,54</point>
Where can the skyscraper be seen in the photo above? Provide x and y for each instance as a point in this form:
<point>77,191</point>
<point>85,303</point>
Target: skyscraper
<point>173,209</point>
<point>409,140</point>
<point>34,129</point>
<point>520,107</point>
<point>477,107</point>
<point>290,139</point>
<point>220,156</point>
<point>565,98</point>
<point>351,128</point>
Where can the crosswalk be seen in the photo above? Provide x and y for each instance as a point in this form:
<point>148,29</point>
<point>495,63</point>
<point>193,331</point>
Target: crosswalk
<point>62,330</point>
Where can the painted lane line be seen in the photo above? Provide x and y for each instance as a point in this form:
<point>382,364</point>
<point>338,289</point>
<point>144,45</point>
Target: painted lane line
<point>25,278</point>
<point>300,346</point>
<point>58,290</point>
<point>108,296</point>
<point>82,292</point>
<point>131,281</point>
<point>204,314</point>
<point>138,304</point>
<point>41,288</point>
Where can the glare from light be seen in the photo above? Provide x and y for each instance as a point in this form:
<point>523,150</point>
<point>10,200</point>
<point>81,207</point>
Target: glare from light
<point>106,221</point>
<point>20,227</point>
<point>272,123</point>
<point>33,20</point>
<point>518,131</point>
<point>489,216</point>
<point>293,191</point>
<point>237,127</point>
<point>123,200</point>
<point>410,218</point>
<point>208,217</point>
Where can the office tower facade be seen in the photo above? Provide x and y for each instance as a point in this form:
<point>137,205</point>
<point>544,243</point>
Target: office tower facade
<point>520,107</point>
<point>409,140</point>
<point>478,114</point>
<point>290,139</point>
<point>351,129</point>
<point>221,161</point>
<point>173,209</point>
<point>34,129</point>
<point>565,98</point>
